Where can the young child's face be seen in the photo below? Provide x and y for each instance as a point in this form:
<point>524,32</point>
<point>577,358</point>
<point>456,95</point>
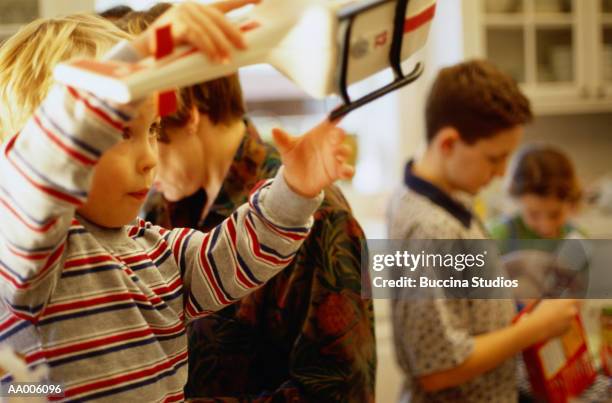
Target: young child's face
<point>125,173</point>
<point>181,164</point>
<point>545,215</point>
<point>470,167</point>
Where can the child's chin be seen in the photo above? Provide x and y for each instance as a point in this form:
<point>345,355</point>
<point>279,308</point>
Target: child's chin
<point>117,220</point>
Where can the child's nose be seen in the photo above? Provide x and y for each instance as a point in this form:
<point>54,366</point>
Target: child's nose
<point>148,159</point>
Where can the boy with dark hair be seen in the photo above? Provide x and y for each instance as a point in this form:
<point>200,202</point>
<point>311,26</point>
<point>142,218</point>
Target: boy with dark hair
<point>460,350</point>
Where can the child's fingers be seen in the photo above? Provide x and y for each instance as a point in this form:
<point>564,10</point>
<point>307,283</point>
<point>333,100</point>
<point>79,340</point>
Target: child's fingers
<point>198,36</point>
<point>229,32</point>
<point>187,29</point>
<point>202,26</point>
<point>283,141</point>
<point>343,169</point>
<point>222,32</point>
<point>229,5</point>
<point>208,31</point>
<point>346,171</point>
<point>343,151</point>
<point>336,135</point>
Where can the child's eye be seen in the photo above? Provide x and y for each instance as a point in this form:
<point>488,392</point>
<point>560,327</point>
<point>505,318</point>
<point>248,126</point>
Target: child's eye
<point>158,132</point>
<point>162,136</point>
<point>127,133</point>
<point>154,129</point>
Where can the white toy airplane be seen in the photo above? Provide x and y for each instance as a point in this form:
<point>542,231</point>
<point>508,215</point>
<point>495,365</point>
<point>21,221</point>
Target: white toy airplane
<point>321,45</point>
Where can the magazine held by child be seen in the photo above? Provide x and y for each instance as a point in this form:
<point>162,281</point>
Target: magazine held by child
<point>561,367</point>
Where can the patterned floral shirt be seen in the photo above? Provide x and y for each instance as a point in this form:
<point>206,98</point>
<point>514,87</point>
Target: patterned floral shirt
<point>307,335</point>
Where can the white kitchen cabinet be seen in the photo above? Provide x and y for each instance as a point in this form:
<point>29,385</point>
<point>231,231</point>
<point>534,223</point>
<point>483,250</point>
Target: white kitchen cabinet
<point>16,13</point>
<point>559,50</point>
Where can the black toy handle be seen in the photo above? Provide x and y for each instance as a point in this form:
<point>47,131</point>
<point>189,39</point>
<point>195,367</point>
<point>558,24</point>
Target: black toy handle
<point>342,110</point>
<point>394,60</point>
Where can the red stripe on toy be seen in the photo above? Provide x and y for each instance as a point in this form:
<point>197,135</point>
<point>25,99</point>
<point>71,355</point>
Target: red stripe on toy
<point>416,22</point>
<point>166,103</point>
<point>163,41</point>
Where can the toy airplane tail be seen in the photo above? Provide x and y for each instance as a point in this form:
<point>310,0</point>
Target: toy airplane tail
<point>321,45</point>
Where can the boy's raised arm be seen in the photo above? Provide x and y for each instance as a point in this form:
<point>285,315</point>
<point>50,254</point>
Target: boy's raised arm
<point>257,241</point>
<point>261,238</point>
<point>45,171</point>
<point>45,174</point>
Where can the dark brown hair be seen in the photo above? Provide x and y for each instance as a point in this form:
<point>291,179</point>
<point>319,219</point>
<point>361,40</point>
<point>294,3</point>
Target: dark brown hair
<point>544,171</point>
<point>116,12</point>
<point>220,99</point>
<point>477,100</point>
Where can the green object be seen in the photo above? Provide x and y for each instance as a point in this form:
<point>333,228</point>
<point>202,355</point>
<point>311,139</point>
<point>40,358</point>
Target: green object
<point>606,311</point>
<point>510,231</point>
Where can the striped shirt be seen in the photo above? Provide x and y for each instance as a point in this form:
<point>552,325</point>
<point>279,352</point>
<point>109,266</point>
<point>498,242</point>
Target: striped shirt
<point>106,309</point>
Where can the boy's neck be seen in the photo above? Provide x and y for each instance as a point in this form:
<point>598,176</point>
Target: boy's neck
<point>430,168</point>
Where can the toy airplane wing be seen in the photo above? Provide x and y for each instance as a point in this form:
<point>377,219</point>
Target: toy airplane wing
<point>321,45</point>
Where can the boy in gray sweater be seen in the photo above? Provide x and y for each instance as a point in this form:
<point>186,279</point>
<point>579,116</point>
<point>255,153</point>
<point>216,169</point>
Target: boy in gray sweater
<point>102,298</point>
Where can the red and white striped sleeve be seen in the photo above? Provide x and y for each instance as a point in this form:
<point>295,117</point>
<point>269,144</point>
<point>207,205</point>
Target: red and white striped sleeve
<point>45,175</point>
<point>239,255</point>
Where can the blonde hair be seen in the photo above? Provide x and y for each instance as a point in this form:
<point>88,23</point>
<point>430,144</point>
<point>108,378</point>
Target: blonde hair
<point>27,60</point>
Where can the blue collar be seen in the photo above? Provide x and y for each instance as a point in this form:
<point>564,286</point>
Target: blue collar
<point>437,196</point>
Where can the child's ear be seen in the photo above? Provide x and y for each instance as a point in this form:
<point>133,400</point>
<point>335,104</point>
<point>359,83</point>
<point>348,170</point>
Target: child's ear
<point>447,139</point>
<point>194,120</point>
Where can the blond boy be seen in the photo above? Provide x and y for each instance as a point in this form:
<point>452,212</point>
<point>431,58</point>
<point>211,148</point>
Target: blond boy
<point>99,298</point>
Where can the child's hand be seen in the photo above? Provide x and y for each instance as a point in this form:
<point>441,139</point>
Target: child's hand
<point>199,25</point>
<point>554,317</point>
<point>226,6</point>
<point>314,160</point>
